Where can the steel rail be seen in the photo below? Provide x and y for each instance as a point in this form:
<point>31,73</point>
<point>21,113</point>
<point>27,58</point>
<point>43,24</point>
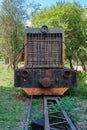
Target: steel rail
<point>72,126</point>
<point>28,115</point>
<point>63,122</point>
<point>46,125</point>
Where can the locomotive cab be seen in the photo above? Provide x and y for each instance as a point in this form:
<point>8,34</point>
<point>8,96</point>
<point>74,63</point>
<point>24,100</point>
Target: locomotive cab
<point>43,56</point>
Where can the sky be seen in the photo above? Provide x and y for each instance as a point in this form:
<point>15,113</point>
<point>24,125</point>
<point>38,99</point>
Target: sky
<point>49,3</point>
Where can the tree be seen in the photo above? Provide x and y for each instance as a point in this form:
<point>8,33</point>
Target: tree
<point>12,28</point>
<point>73,18</point>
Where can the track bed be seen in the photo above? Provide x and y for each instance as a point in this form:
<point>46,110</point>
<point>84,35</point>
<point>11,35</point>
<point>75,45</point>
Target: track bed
<point>52,119</point>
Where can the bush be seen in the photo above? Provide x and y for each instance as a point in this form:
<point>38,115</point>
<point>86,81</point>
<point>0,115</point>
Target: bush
<point>81,89</point>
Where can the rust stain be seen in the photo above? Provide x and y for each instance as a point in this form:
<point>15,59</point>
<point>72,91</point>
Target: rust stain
<point>45,91</point>
<point>48,73</point>
<point>45,82</point>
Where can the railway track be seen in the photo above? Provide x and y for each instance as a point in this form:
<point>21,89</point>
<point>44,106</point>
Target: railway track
<point>53,119</point>
<point>29,113</point>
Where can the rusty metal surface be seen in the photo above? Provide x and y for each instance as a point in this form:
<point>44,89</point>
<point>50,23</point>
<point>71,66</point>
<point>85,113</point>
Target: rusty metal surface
<point>64,122</point>
<point>48,78</point>
<point>45,82</point>
<point>57,120</point>
<point>45,91</point>
<point>44,50</point>
<point>39,30</point>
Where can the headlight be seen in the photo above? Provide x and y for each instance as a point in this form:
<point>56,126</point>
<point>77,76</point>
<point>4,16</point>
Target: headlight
<point>24,73</point>
<point>66,74</point>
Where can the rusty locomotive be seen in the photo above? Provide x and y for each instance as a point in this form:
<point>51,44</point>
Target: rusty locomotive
<point>44,72</point>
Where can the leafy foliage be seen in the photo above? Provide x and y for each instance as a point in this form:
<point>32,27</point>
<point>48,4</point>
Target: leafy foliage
<point>72,17</point>
<point>12,32</point>
<point>81,89</point>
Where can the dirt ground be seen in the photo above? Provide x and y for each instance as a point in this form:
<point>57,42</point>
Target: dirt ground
<point>82,111</point>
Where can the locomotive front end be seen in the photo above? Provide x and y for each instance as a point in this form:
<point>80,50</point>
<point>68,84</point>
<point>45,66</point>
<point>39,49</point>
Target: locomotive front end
<point>44,72</point>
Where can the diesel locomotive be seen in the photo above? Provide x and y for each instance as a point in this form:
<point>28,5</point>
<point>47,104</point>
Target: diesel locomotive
<point>44,72</point>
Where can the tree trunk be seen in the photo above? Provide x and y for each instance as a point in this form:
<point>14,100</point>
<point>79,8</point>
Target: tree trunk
<point>70,62</point>
<point>6,60</point>
<point>83,64</point>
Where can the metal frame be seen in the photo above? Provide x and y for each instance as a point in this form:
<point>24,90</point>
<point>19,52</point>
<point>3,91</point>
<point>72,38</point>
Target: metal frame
<point>39,30</point>
<point>44,50</point>
<point>64,121</point>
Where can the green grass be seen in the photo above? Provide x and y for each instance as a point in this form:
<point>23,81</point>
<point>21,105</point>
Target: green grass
<point>37,109</point>
<point>81,89</point>
<point>69,104</point>
<point>85,111</point>
<point>11,108</point>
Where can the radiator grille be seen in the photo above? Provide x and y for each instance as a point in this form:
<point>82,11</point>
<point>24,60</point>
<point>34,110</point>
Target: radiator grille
<point>44,50</point>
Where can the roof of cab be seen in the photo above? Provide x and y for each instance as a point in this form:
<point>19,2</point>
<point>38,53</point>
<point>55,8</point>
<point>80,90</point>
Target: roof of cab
<point>39,30</point>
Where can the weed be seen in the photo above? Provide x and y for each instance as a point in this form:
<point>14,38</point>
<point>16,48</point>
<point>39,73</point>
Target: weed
<point>37,109</point>
<point>85,111</point>
<point>81,89</point>
<point>12,109</point>
<point>68,104</point>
